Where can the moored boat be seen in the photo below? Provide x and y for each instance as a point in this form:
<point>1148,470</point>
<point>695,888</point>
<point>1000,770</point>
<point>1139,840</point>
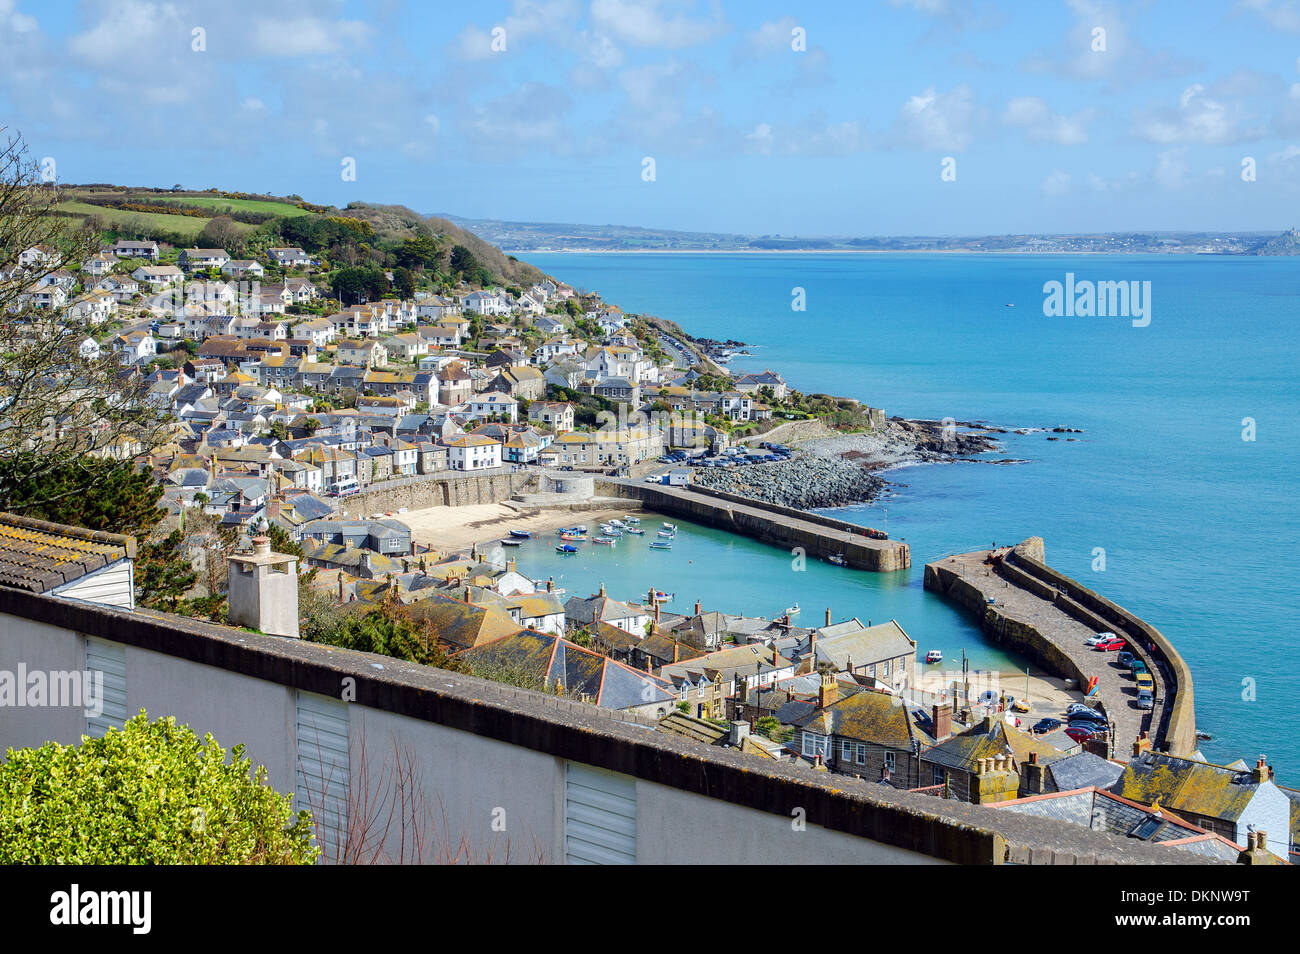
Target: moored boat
<point>521,534</point>
<point>662,597</point>
<point>791,610</point>
<point>837,559</point>
<point>660,545</point>
<point>603,541</point>
<point>670,526</point>
<point>934,656</point>
<point>636,530</point>
<point>512,543</point>
<point>667,533</point>
<point>566,548</point>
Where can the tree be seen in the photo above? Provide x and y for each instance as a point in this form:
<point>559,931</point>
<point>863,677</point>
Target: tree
<point>163,574</point>
<point>463,261</point>
<point>221,232</point>
<point>57,409</point>
<point>404,282</point>
<point>149,793</point>
<point>97,494</point>
<point>354,285</point>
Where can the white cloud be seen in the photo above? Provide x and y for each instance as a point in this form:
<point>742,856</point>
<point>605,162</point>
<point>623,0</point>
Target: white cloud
<point>934,120</point>
<point>1280,14</point>
<point>307,36</point>
<point>1200,117</point>
<point>649,23</point>
<point>1057,183</point>
<point>1032,114</point>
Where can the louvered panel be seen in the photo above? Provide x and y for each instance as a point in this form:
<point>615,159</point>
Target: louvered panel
<point>599,816</point>
<point>109,659</point>
<point>323,779</point>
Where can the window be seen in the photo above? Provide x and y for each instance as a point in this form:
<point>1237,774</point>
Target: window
<point>814,745</point>
<point>889,761</point>
<point>846,750</point>
<point>938,777</point>
<point>862,754</point>
<point>885,669</point>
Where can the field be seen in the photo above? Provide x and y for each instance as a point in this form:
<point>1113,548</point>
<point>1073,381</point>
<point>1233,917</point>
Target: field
<point>183,224</point>
<point>218,204</point>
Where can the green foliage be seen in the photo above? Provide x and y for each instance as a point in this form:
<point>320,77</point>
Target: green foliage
<point>163,574</point>
<point>770,727</point>
<point>510,674</point>
<point>150,793</point>
<point>94,493</point>
<point>382,631</point>
<point>353,285</point>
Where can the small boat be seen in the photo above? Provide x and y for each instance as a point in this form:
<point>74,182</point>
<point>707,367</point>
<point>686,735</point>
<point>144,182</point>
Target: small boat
<point>512,543</point>
<point>934,656</point>
<point>566,548</point>
<point>837,559</point>
<point>792,610</point>
<point>670,526</point>
<point>662,597</point>
<point>521,534</point>
<point>572,537</point>
<point>615,522</point>
<point>603,541</point>
<point>636,530</point>
<point>632,521</point>
<point>660,545</point>
<point>667,533</point>
<point>580,528</point>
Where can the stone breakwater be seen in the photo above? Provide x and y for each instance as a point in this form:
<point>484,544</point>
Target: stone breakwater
<point>903,441</point>
<point>804,483</point>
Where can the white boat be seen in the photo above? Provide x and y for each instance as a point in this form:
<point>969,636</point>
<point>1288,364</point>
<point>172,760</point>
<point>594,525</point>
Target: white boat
<point>632,521</point>
<point>667,533</point>
<point>670,526</point>
<point>792,610</point>
<point>934,656</point>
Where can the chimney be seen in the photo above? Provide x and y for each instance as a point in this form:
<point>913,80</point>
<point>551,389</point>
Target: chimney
<point>677,651</point>
<point>1261,773</point>
<point>739,731</point>
<point>1035,783</point>
<point>829,691</point>
<point>828,616</point>
<point>698,609</point>
<point>656,614</point>
<point>423,566</point>
<point>340,586</point>
<point>602,590</point>
<point>1141,744</point>
<point>941,721</point>
<point>510,566</point>
<point>263,590</point>
<point>550,584</point>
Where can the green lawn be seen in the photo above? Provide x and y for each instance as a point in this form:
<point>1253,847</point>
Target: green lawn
<point>184,224</point>
<point>217,203</point>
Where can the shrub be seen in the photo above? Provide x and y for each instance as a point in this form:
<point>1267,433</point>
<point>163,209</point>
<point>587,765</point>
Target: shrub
<point>149,793</point>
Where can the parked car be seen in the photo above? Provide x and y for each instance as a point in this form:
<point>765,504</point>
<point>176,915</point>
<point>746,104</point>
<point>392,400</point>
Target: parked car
<point>1110,645</point>
<point>1047,725</point>
<point>1138,666</point>
<point>1092,724</point>
<point>1126,659</point>
<point>1099,638</point>
<point>1078,708</point>
<point>1144,681</point>
<point>1146,699</point>
<point>1079,733</point>
<point>1018,705</point>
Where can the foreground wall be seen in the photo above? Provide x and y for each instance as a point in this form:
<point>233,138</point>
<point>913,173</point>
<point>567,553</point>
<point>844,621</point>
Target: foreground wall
<point>496,773</point>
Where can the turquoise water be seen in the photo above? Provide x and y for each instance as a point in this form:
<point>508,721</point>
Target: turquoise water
<point>1199,527</point>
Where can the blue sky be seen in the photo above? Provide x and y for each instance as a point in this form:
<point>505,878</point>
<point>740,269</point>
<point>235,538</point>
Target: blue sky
<point>846,136</point>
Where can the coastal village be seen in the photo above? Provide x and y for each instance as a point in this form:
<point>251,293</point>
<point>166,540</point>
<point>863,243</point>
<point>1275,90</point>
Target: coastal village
<point>329,428</point>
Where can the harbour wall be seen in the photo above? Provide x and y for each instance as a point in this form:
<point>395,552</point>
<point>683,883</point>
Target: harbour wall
<point>1176,718</point>
<point>447,489</point>
<point>785,527</point>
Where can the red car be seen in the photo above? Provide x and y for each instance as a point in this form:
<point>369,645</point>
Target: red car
<point>1079,733</point>
<point>1110,645</point>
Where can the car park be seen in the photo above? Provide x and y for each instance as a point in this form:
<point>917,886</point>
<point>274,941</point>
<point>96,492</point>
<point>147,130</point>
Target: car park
<point>1110,645</point>
<point>1078,708</point>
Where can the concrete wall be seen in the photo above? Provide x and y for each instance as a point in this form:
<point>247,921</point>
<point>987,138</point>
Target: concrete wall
<point>488,761</point>
<point>784,527</point>
<point>438,490</point>
<point>1177,719</point>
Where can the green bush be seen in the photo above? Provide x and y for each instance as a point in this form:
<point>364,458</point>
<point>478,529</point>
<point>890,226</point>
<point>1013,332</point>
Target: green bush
<point>149,793</point>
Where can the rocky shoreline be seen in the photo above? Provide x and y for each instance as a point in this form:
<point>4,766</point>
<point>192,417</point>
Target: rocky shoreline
<point>841,470</point>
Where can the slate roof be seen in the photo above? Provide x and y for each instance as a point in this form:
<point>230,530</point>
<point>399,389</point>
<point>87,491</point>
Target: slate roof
<point>1097,809</point>
<point>38,556</point>
<point>581,672</point>
<point>989,738</point>
<point>1084,770</point>
<point>869,717</point>
<point>865,645</point>
<point>1211,791</point>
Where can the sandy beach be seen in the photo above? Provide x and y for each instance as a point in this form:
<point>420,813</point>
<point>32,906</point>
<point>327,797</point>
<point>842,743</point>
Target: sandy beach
<point>448,529</point>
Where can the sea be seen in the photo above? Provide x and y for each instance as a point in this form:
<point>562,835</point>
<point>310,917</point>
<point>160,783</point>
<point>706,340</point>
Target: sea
<point>1177,499</point>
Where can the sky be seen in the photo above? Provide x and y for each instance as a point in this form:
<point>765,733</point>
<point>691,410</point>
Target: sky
<point>897,117</point>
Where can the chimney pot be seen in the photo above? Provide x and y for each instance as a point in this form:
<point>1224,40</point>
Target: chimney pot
<point>828,616</point>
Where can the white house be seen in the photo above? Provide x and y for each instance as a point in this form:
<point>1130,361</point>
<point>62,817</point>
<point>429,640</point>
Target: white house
<point>131,248</point>
<point>289,257</point>
<point>485,303</point>
<point>486,406</point>
<point>158,276</point>
<point>472,452</point>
